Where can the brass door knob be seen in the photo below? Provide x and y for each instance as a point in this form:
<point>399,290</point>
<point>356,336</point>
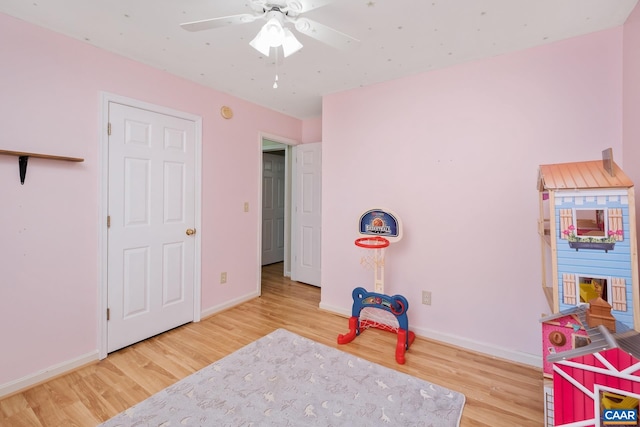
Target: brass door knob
<point>191,231</point>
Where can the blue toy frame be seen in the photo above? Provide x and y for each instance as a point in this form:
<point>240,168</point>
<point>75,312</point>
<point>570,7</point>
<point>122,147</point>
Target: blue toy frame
<point>396,305</point>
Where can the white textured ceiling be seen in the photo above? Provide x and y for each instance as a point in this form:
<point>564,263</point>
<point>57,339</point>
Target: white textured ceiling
<point>398,38</point>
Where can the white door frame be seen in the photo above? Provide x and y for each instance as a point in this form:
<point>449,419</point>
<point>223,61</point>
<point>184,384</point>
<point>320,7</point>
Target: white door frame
<point>287,206</point>
<point>103,161</point>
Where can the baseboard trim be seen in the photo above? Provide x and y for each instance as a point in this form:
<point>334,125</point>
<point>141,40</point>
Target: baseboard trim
<point>480,347</point>
<point>221,307</point>
<point>68,366</point>
<point>47,374</point>
<point>65,367</point>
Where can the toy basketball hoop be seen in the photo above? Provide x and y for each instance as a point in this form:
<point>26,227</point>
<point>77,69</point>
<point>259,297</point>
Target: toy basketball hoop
<point>375,242</point>
<point>373,256</point>
<point>378,228</point>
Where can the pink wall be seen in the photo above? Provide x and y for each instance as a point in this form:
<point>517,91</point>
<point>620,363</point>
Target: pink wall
<point>50,103</point>
<point>631,101</point>
<point>312,130</point>
<point>455,153</point>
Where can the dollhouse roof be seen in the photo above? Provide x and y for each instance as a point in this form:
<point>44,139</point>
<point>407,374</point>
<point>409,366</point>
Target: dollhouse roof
<point>624,338</point>
<point>581,175</point>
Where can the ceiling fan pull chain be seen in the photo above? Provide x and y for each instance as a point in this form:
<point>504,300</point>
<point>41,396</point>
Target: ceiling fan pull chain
<point>275,82</point>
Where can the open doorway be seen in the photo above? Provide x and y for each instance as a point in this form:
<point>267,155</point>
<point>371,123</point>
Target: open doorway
<point>300,231</point>
<point>276,203</point>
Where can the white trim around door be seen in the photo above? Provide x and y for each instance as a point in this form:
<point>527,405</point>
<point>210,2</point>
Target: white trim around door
<point>103,157</point>
<point>287,211</point>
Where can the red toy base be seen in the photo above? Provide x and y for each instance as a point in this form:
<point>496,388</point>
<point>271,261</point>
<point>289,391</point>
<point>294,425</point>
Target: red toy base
<point>402,344</point>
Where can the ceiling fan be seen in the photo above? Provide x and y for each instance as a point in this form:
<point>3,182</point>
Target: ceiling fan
<point>274,33</point>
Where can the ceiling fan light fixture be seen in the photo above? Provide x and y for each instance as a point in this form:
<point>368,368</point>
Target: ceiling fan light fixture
<point>290,43</point>
<point>273,34</point>
<point>260,44</point>
<point>270,35</point>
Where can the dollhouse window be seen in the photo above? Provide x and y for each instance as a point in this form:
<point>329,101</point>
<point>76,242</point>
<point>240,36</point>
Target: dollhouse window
<point>590,222</point>
<point>580,341</point>
<point>593,224</point>
<point>592,287</point>
<point>579,290</point>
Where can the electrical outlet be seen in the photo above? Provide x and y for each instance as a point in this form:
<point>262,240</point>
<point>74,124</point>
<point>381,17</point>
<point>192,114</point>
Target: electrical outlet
<point>246,206</point>
<point>223,277</point>
<point>426,297</point>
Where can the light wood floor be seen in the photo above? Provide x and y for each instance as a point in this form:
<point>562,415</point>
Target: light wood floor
<point>497,393</point>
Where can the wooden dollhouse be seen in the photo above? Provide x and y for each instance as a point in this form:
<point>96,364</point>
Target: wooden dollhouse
<point>587,230</point>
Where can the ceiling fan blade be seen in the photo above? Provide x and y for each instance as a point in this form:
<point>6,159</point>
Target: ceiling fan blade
<point>209,24</point>
<point>326,34</point>
<point>301,6</point>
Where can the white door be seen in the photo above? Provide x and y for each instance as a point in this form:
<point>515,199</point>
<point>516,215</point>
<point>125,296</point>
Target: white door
<point>151,259</point>
<point>273,175</point>
<point>307,181</point>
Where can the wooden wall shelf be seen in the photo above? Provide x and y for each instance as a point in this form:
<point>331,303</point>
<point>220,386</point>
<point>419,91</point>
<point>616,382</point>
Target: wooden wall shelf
<point>23,158</point>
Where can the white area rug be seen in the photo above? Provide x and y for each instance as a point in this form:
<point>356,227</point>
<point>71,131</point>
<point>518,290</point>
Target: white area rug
<point>283,379</point>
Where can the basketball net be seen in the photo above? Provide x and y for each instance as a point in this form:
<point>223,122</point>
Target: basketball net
<point>372,258</point>
<point>378,318</point>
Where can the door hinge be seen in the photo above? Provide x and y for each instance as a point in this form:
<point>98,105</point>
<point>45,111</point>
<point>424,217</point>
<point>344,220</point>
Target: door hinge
<point>108,314</point>
<point>108,221</point>
<point>109,128</point>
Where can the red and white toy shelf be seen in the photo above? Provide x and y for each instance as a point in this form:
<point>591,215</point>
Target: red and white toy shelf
<point>378,228</point>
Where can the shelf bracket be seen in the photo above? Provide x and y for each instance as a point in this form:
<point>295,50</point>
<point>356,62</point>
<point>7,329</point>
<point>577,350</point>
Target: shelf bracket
<point>23,159</point>
<point>22,164</point>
